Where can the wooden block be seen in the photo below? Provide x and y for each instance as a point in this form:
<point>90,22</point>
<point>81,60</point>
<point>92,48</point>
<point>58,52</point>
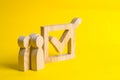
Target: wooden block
<point>57,27</point>
<point>24,53</point>
<point>44,33</point>
<point>59,58</point>
<point>37,56</point>
<point>68,36</point>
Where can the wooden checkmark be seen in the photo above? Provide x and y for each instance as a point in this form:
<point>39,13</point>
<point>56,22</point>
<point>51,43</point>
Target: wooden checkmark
<point>60,44</point>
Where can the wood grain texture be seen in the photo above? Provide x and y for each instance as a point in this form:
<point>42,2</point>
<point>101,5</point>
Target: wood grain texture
<point>37,56</point>
<point>34,53</point>
<point>37,59</point>
<point>60,44</point>
<point>67,37</point>
<point>24,53</point>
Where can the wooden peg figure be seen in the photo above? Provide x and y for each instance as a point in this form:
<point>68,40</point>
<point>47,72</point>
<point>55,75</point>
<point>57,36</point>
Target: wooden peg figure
<point>24,53</point>
<point>37,56</point>
<point>31,35</point>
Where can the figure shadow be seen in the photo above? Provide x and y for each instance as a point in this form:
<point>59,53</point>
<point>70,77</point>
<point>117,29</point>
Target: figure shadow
<point>13,66</point>
<point>10,62</point>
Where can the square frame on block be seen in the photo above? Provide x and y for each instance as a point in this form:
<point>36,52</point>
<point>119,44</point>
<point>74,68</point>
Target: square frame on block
<point>68,37</point>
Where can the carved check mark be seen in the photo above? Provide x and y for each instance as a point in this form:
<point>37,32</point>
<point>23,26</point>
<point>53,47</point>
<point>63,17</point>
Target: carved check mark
<point>60,44</point>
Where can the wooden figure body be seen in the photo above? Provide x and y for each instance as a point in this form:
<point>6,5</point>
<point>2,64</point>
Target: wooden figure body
<point>24,53</point>
<point>37,56</point>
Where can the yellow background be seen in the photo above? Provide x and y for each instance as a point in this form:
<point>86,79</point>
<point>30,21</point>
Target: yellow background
<point>97,38</point>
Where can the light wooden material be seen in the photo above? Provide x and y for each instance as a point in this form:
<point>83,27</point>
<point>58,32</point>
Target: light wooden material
<point>31,35</point>
<point>60,44</point>
<point>37,56</point>
<point>76,22</point>
<point>68,36</point>
<point>34,53</point>
<point>24,53</point>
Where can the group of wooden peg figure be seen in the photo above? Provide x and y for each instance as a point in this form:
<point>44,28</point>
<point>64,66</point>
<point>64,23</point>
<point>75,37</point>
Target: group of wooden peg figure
<point>33,53</point>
